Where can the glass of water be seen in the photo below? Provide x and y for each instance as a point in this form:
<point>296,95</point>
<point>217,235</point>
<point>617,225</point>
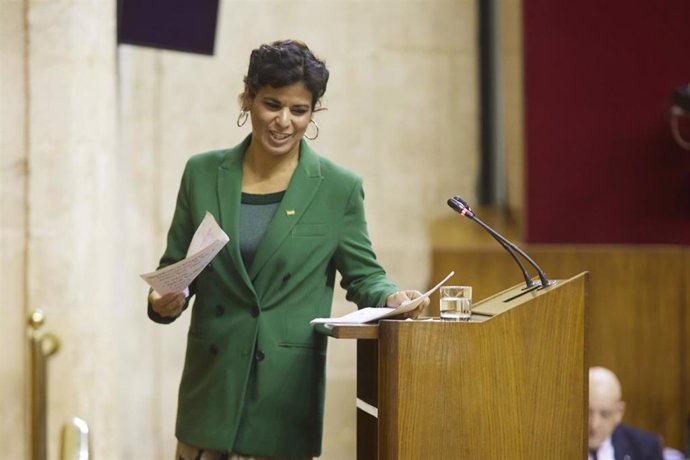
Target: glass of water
<point>456,303</point>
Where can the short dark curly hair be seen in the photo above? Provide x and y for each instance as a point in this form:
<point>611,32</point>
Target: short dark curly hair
<point>284,63</point>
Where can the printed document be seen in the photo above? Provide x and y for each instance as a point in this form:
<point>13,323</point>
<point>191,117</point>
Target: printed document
<point>365,315</point>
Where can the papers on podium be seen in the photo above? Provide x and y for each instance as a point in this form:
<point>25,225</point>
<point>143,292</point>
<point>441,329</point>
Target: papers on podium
<point>368,314</point>
<point>207,241</point>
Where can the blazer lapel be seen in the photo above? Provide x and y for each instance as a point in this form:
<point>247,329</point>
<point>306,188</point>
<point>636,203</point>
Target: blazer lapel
<point>229,199</point>
<point>303,187</point>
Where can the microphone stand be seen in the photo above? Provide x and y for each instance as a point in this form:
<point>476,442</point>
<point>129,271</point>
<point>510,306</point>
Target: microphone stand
<point>461,207</point>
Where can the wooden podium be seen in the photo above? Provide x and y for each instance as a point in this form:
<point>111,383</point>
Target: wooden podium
<point>509,384</point>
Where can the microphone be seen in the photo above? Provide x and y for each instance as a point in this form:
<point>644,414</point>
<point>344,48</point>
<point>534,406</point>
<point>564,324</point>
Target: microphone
<point>461,207</point>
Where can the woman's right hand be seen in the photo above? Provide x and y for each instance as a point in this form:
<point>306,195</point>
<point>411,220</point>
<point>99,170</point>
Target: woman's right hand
<point>168,305</point>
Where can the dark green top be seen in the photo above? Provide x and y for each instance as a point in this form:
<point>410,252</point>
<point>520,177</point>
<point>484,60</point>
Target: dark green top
<point>256,212</point>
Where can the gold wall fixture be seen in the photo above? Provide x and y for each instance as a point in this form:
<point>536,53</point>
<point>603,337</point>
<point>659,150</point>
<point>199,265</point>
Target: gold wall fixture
<point>41,346</point>
<point>75,444</point>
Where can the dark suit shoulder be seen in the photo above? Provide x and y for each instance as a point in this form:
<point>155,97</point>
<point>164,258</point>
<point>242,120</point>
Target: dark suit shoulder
<point>637,443</point>
<point>638,434</point>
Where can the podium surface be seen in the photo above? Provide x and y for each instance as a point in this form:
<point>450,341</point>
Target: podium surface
<point>510,383</point>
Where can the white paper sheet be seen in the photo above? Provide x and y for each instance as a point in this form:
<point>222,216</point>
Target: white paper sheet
<point>365,315</point>
<point>207,241</point>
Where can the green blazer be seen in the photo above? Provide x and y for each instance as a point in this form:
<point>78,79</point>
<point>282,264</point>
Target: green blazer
<point>254,372</point>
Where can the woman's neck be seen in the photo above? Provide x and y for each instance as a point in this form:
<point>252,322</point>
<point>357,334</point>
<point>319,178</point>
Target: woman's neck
<point>264,173</point>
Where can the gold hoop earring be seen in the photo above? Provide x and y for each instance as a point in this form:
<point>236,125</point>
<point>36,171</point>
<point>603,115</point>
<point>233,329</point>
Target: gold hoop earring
<point>242,119</point>
<point>311,138</point>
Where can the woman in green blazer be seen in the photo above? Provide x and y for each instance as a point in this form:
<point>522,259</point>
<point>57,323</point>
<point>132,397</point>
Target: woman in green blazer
<point>254,372</point>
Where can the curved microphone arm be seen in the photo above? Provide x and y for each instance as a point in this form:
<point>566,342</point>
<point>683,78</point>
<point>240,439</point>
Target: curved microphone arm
<point>461,207</point>
<point>528,280</point>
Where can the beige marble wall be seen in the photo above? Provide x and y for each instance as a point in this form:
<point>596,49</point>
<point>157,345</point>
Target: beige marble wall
<point>76,244</point>
<point>61,234</point>
<point>12,228</point>
<point>107,134</point>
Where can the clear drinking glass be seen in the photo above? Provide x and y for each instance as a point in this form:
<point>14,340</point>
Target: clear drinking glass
<point>456,303</point>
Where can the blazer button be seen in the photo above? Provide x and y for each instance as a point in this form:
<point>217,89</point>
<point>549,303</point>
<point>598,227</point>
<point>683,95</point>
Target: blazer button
<point>259,355</point>
<point>286,278</point>
<point>213,349</point>
<point>220,310</point>
<point>255,311</point>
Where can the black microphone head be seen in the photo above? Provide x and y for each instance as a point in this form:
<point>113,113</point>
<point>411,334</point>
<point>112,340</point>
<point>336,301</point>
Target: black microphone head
<point>459,205</point>
<point>464,203</point>
<point>455,204</point>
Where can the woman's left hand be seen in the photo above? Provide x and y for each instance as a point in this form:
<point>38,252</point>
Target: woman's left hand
<point>397,299</point>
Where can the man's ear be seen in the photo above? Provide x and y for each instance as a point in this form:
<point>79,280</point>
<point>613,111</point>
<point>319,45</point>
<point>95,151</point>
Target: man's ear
<point>621,410</point>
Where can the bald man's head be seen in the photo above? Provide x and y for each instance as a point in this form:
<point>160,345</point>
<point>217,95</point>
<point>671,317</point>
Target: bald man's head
<point>605,405</point>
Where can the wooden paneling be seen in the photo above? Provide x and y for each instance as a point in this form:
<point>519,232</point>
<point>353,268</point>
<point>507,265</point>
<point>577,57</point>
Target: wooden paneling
<point>639,322</point>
